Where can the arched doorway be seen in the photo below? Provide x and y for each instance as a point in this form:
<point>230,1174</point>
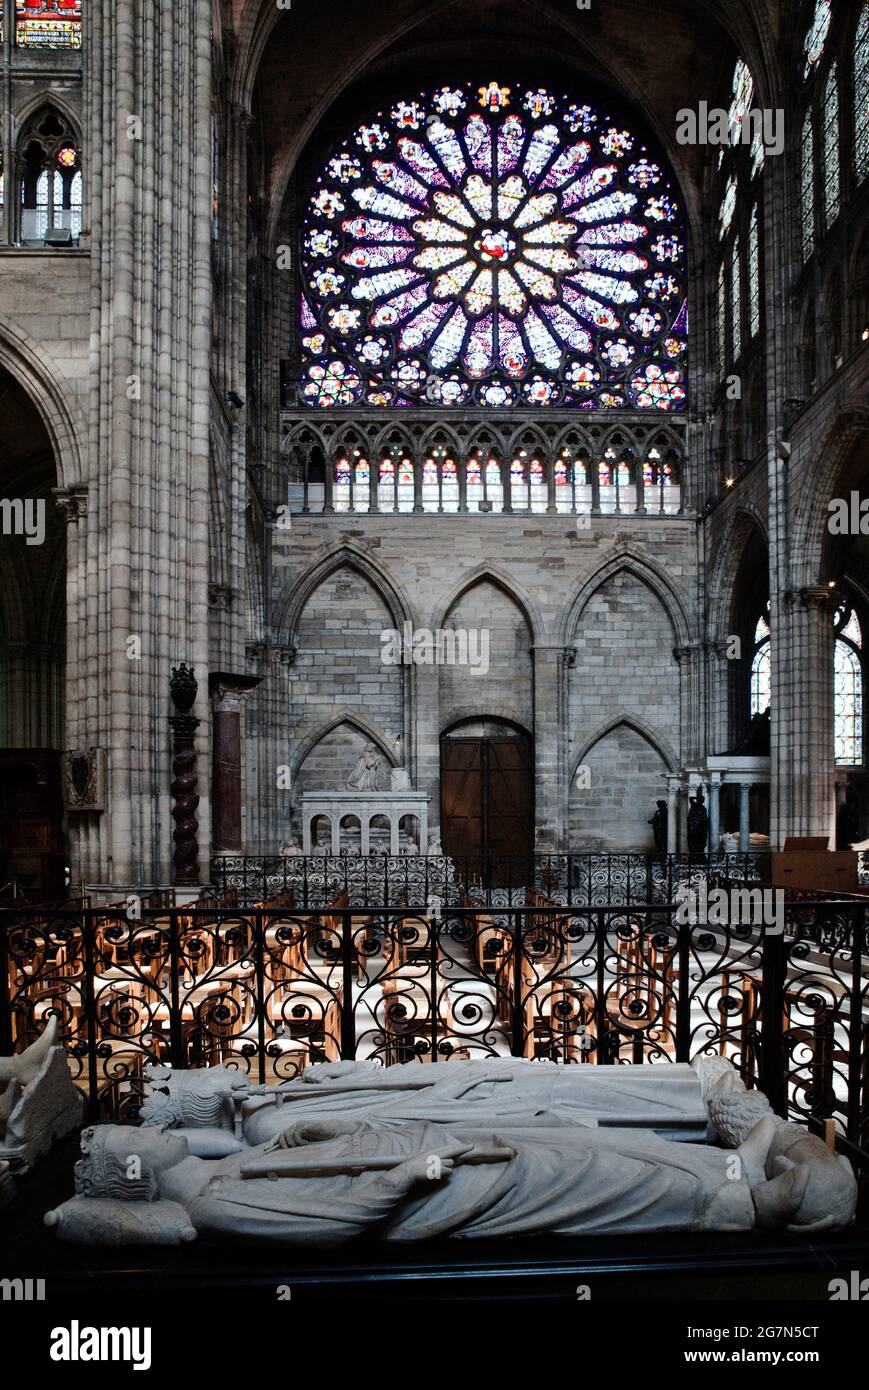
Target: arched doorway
<point>487,810</point>
<point>32,656</point>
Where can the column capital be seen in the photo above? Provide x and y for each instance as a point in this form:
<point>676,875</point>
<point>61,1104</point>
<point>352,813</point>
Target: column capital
<point>716,646</point>
<point>818,597</point>
<point>229,691</point>
<point>687,653</point>
<point>240,114</point>
<point>72,501</point>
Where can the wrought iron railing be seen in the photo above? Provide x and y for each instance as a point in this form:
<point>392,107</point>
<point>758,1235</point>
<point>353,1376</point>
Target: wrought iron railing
<point>412,880</point>
<point>272,990</point>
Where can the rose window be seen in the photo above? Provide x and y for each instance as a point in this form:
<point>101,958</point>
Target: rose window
<point>493,246</point>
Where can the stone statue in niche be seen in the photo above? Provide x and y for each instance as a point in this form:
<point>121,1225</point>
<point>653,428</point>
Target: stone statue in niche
<point>325,1179</point>
<point>659,827</point>
<point>363,778</point>
<point>698,824</point>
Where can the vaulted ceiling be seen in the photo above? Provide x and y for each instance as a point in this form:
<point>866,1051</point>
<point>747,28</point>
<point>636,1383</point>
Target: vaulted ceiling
<point>316,63</point>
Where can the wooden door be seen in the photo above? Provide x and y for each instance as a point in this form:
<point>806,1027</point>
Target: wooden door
<point>486,804</point>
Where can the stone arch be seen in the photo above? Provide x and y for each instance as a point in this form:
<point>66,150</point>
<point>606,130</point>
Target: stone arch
<point>466,714</point>
<point>351,718</point>
<point>625,717</point>
<point>810,534</point>
<point>742,524</point>
<point>643,570</point>
<point>35,105</point>
<point>502,580</point>
<point>497,666</point>
<point>442,431</point>
<point>749,31</point>
<point>529,431</point>
<point>50,393</point>
<point>350,557</point>
<point>610,808</point>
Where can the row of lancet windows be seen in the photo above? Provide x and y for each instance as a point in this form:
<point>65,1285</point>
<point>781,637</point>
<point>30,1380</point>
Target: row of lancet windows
<point>48,182</point>
<point>821,135</point>
<point>573,484</point>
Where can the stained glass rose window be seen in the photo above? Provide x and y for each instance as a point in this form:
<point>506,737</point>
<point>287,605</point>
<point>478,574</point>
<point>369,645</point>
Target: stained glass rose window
<point>493,246</point>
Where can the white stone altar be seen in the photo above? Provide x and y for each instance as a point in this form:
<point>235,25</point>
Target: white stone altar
<point>466,1150</point>
<point>365,806</point>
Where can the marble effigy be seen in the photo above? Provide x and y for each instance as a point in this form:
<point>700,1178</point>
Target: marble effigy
<point>495,1154</point>
<point>40,1103</point>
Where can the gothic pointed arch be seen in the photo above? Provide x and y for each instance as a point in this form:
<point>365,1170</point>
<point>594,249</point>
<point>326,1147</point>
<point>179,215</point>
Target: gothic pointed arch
<point>810,536</point>
<point>626,718</point>
<point>52,396</point>
<point>493,574</point>
<point>353,719</point>
<point>641,568</point>
<point>745,522</point>
<point>353,558</point>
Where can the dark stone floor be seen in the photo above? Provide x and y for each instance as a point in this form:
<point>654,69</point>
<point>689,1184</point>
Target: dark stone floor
<point>757,1266</point>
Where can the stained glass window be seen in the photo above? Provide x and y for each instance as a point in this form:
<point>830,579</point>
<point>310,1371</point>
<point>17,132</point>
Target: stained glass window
<point>807,187</point>
<point>494,246</point>
<point>761,679</point>
<point>741,96</point>
<point>753,273</point>
<point>405,485</point>
<point>386,485</point>
<point>831,147</point>
<point>861,95</point>
<point>848,688</point>
<point>449,485</point>
<point>341,486</point>
<point>761,684</point>
<point>728,206</point>
<point>48,23</point>
<point>735,298</point>
<point>816,36</point>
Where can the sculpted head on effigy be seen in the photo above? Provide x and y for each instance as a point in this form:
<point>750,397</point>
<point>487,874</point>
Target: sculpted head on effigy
<point>125,1163</point>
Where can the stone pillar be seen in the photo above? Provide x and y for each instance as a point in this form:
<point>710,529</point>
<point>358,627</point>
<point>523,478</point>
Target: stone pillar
<point>744,827</point>
<point>802,750</point>
<point>714,811</point>
<point>684,792</point>
<point>550,807</point>
<point>674,784</point>
<point>689,721</point>
<point>144,549</point>
<point>228,694</point>
<point>717,695</point>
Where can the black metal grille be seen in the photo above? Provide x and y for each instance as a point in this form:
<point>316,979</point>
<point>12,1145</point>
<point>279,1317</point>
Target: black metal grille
<point>411,880</point>
<point>272,990</point>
